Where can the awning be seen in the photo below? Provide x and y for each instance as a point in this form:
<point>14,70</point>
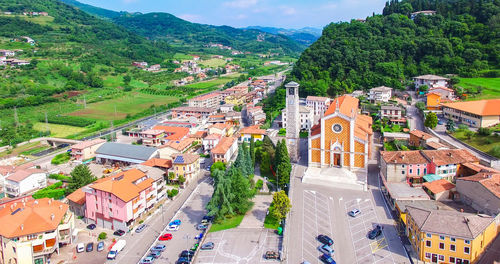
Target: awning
<point>431,177</point>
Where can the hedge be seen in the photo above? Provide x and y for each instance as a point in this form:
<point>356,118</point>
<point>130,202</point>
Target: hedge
<point>68,120</point>
<point>53,191</point>
<point>61,158</point>
<point>59,177</point>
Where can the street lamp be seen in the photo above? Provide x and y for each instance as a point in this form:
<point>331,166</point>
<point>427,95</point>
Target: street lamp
<point>187,237</point>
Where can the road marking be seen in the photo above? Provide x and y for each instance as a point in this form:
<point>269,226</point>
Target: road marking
<point>218,246</point>
<point>378,245</point>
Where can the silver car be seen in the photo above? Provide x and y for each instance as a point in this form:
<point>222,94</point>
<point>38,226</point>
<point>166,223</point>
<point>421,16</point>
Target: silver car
<point>354,212</point>
<point>140,228</point>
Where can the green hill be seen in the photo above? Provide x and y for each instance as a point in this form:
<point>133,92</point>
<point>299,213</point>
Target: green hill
<point>101,12</point>
<point>461,38</point>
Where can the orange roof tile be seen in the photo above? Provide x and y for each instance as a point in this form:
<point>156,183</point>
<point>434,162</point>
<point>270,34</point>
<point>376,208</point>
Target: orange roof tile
<point>224,144</point>
<point>253,130</point>
<point>421,134</point>
<point>186,158</point>
<point>123,185</point>
<point>177,133</point>
<point>157,162</point>
<point>199,134</point>
<point>31,217</point>
<point>478,167</point>
<point>403,157</point>
<point>438,186</point>
<point>490,181</point>
<point>221,126</point>
<point>180,146</point>
<point>88,143</point>
<point>77,196</point>
<point>449,156</point>
<point>481,107</point>
<point>347,104</point>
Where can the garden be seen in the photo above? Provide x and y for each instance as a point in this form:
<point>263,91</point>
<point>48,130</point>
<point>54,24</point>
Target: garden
<point>485,139</point>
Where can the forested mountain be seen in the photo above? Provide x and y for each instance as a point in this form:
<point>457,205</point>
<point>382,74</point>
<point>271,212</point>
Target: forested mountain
<point>169,27</point>
<point>101,12</point>
<point>461,38</point>
<point>305,36</point>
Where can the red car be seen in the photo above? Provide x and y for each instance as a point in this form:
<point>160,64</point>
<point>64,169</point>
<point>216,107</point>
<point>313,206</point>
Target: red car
<point>165,237</point>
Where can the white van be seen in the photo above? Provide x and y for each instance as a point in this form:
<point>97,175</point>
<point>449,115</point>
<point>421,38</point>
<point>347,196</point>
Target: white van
<point>116,248</point>
<point>80,247</point>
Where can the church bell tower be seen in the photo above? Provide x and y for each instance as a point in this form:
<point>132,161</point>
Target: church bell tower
<point>292,120</point>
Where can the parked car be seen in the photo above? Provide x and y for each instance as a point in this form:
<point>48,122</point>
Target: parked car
<point>182,261</point>
<point>187,254</point>
<point>208,246</point>
<point>326,249</point>
<point>272,255</point>
<point>327,259</point>
<point>100,246</point>
<point>80,247</point>
<point>159,247</point>
<point>90,247</point>
<point>172,227</point>
<point>147,260</point>
<point>195,246</point>
<point>140,228</point>
<point>325,240</point>
<point>175,222</point>
<point>165,237</point>
<point>199,236</point>
<point>155,254</point>
<point>354,212</point>
<point>119,232</point>
<point>202,227</point>
<point>91,226</point>
<point>377,231</point>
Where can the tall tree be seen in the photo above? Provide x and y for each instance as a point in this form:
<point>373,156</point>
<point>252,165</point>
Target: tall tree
<point>431,120</point>
<point>252,151</point>
<point>240,160</point>
<point>240,188</point>
<point>220,205</point>
<point>80,176</point>
<point>248,161</point>
<point>281,205</point>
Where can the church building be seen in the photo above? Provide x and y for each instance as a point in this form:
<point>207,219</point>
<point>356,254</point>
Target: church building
<point>343,137</point>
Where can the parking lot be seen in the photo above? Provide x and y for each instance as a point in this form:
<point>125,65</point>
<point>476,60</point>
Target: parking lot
<point>366,250</point>
<point>240,245</point>
<point>316,220</point>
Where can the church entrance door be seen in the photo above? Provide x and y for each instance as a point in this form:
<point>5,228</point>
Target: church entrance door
<point>336,159</point>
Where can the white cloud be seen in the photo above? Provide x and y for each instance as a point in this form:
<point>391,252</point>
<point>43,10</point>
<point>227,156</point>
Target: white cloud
<point>241,3</point>
<point>190,17</point>
<point>241,16</point>
<point>288,10</point>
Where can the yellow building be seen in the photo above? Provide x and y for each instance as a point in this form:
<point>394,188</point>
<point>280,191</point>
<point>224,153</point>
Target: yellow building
<point>433,101</point>
<point>187,165</point>
<point>343,137</point>
<point>252,132</point>
<point>442,236</point>
<point>32,230</point>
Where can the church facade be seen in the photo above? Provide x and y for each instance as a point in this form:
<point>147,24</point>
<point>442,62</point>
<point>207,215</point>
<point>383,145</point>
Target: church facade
<point>342,138</point>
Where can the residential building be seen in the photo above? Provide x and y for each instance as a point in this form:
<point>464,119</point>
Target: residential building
<point>7,53</point>
<point>445,92</point>
<point>423,12</point>
<point>380,94</point>
<point>32,230</point>
<point>403,166</point>
<point>221,129</point>
<point>163,164</point>
<point>116,201</point>
<point>172,133</point>
<point>76,202</point>
<point>472,168</point>
<point>481,191</point>
<point>399,191</point>
<point>343,138</point>
<point>421,139</point>
<point>24,181</point>
<point>430,80</point>
<point>211,100</point>
<point>306,118</point>
<point>391,111</point>
<point>482,113</point>
<point>318,104</point>
<point>85,150</point>
<point>442,236</point>
<point>199,136</point>
<point>188,111</point>
<point>210,141</point>
<point>225,108</point>
<point>214,119</point>
<point>445,163</point>
<point>226,148</point>
<point>187,165</point>
<point>124,154</point>
<point>433,101</point>
<point>439,190</point>
<point>171,148</point>
<point>256,115</point>
<point>252,133</point>
<point>402,204</point>
<point>151,137</point>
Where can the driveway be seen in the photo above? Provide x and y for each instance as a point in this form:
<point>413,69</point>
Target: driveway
<point>255,217</point>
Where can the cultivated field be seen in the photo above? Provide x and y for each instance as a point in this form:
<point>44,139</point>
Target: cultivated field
<point>490,87</point>
<point>59,131</point>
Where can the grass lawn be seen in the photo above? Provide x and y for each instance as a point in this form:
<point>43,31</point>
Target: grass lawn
<point>23,148</point>
<point>42,20</point>
<point>213,63</point>
<point>271,222</point>
<point>483,143</point>
<point>59,131</point>
<point>228,223</point>
<point>213,83</point>
<point>181,57</point>
<point>35,150</point>
<point>130,103</point>
<point>491,87</point>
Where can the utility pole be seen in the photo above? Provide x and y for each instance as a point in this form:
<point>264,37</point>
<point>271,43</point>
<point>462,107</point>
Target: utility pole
<point>187,237</point>
<point>16,118</point>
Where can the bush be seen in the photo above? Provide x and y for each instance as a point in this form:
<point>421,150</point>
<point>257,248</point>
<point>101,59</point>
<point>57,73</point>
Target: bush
<point>495,151</point>
<point>61,158</point>
<point>172,193</point>
<point>484,131</point>
<point>259,184</point>
<point>59,177</point>
<point>68,120</point>
<point>53,191</point>
<point>102,235</point>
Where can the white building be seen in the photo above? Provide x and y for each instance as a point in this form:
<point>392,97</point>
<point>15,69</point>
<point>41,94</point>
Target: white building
<point>391,111</point>
<point>380,94</point>
<point>225,108</point>
<point>430,80</point>
<point>25,181</point>
<point>306,115</point>
<point>210,141</point>
<point>206,100</point>
<point>318,104</point>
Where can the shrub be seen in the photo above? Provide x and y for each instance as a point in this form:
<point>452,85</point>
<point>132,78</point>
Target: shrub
<point>463,127</point>
<point>495,151</point>
<point>59,177</point>
<point>484,131</point>
<point>53,191</point>
<point>102,235</point>
<point>142,221</point>
<point>172,193</point>
<point>68,120</point>
<point>259,184</point>
<point>61,158</point>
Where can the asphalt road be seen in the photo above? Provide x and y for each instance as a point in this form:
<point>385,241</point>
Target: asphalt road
<point>139,243</point>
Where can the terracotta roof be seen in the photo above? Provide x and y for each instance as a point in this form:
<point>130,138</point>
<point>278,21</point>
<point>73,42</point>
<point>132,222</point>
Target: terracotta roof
<point>439,186</point>
<point>430,77</point>
<point>381,89</point>
<point>157,162</point>
<point>213,136</point>
<point>186,158</point>
<point>347,105</point>
<point>206,96</point>
<point>6,169</point>
<point>221,126</point>
<point>194,109</point>
<point>199,134</point>
<point>180,146</point>
<point>88,143</point>
<point>316,129</point>
<point>124,185</point>
<point>478,167</point>
<point>441,88</point>
<point>77,196</point>
<point>481,107</point>
<point>490,181</point>
<point>253,130</point>
<point>22,174</point>
<point>31,217</point>
<point>421,134</point>
<point>151,132</point>
<point>447,222</point>
<point>436,145</point>
<point>224,144</point>
<point>403,157</point>
<point>449,156</point>
<point>317,98</point>
<point>177,133</point>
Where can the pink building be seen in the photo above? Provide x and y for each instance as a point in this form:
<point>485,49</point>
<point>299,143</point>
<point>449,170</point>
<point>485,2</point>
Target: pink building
<point>115,202</point>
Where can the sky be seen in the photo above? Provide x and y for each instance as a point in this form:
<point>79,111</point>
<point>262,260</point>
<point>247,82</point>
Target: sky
<point>243,13</point>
